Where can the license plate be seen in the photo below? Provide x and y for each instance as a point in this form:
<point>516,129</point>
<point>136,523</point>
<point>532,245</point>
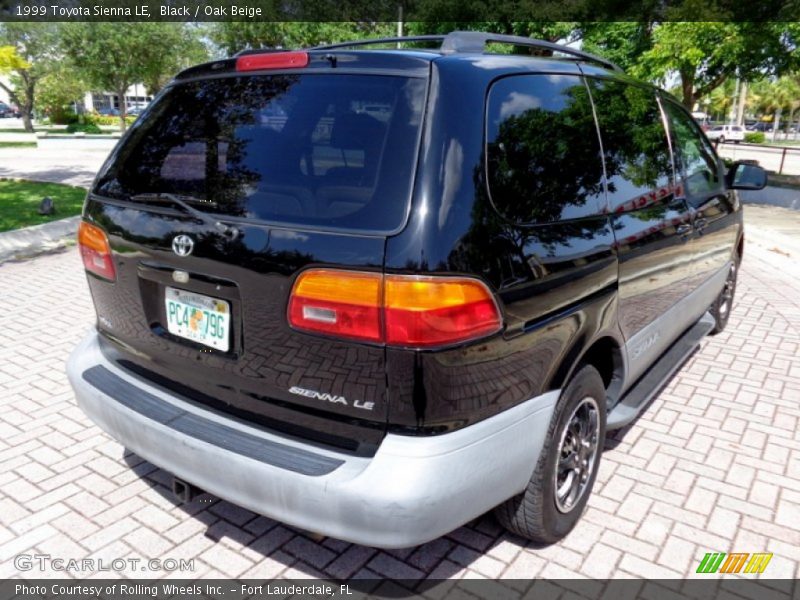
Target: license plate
<point>198,318</point>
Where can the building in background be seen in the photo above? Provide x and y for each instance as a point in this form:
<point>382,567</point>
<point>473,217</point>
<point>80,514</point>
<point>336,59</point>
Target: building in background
<point>136,97</point>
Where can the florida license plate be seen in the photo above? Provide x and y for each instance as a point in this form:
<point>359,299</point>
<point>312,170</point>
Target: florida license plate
<point>198,318</point>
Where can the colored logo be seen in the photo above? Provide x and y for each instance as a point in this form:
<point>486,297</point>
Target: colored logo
<point>737,562</point>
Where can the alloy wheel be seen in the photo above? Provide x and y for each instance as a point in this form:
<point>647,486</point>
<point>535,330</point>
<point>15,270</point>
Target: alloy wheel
<point>577,454</point>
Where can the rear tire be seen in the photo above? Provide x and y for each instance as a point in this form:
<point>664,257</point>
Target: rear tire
<point>560,486</point>
<point>721,308</point>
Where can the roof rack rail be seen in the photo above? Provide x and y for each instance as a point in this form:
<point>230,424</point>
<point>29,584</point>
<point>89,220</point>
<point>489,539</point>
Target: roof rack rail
<point>260,51</point>
<point>460,42</point>
<point>386,40</point>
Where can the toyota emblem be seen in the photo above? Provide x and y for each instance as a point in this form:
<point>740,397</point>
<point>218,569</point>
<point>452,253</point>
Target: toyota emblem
<point>182,245</point>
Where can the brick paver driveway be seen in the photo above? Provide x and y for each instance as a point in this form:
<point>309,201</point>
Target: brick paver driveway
<point>713,465</point>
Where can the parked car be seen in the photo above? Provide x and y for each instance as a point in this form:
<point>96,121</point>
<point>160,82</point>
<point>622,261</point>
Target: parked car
<point>726,133</point>
<point>6,112</point>
<point>762,126</point>
<point>108,111</point>
<point>379,328</point>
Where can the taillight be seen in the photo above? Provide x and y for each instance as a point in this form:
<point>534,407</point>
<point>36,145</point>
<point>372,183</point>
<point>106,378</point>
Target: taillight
<point>272,60</point>
<point>95,251</point>
<point>433,311</point>
<point>339,303</point>
<point>399,310</point>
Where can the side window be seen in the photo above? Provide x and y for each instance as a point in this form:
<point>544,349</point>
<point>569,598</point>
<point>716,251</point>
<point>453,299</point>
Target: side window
<point>638,162</point>
<point>542,149</point>
<point>694,158</point>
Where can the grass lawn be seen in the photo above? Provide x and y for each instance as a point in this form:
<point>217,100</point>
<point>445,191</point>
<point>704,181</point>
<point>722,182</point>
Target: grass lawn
<point>19,201</point>
<point>782,143</point>
<point>18,144</point>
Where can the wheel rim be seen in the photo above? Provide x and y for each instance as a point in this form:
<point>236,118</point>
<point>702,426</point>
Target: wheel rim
<point>726,298</point>
<point>577,453</point>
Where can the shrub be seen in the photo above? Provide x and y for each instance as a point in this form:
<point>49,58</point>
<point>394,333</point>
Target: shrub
<point>109,120</point>
<point>755,137</point>
<point>83,127</point>
<point>62,117</point>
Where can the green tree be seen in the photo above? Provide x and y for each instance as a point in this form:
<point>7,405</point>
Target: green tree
<point>623,43</point>
<point>186,49</point>
<point>59,88</point>
<point>721,100</point>
<point>706,54</point>
<point>114,56</point>
<point>774,97</point>
<point>35,47</point>
<point>233,37</point>
<point>551,31</point>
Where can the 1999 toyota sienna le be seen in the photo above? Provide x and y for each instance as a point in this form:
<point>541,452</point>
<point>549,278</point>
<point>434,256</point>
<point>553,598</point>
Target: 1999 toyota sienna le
<point>375,293</point>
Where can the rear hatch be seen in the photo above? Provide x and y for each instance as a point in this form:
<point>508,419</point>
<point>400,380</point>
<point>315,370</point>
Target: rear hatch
<point>225,190</point>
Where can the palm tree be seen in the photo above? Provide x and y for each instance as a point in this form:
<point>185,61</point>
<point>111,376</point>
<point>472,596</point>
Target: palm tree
<point>786,94</point>
<point>774,97</point>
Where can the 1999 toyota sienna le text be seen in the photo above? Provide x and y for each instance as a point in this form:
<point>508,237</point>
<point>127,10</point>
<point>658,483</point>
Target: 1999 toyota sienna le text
<point>375,293</point>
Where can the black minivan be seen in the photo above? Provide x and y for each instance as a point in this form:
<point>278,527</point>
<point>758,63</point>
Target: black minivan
<point>376,292</point>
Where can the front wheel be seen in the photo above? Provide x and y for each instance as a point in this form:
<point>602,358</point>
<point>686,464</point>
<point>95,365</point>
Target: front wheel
<point>721,139</point>
<point>560,486</point>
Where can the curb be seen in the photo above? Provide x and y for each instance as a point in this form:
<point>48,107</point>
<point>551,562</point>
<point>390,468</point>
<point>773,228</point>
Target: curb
<point>773,195</point>
<point>30,241</point>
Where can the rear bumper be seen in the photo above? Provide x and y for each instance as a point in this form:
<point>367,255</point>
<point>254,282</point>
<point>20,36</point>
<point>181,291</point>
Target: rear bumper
<point>413,490</point>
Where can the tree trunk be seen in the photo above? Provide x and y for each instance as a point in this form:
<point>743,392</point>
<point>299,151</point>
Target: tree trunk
<point>27,108</point>
<point>687,89</point>
<point>741,105</point>
<point>27,122</point>
<point>123,107</point>
<point>791,123</point>
<point>776,123</point>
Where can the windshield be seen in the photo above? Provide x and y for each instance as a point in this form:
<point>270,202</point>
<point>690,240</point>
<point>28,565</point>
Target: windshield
<point>322,150</point>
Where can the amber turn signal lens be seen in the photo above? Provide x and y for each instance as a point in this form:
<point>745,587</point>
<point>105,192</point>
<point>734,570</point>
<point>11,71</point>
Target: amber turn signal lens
<point>96,251</point>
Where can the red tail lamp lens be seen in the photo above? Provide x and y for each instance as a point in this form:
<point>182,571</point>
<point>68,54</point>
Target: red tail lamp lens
<point>95,251</point>
<point>399,310</point>
<point>272,60</point>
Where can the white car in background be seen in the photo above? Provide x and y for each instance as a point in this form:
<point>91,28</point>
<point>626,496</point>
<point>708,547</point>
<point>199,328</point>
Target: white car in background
<point>726,133</point>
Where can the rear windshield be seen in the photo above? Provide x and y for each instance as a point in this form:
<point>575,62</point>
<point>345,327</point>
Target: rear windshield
<point>334,151</point>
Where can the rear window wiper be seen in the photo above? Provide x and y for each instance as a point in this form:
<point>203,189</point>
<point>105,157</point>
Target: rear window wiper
<point>180,200</point>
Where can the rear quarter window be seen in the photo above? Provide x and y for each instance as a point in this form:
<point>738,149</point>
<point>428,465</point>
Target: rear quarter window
<point>542,150</point>
<point>328,151</point>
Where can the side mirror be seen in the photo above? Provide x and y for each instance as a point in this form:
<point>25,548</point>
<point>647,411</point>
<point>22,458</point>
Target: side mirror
<point>746,176</point>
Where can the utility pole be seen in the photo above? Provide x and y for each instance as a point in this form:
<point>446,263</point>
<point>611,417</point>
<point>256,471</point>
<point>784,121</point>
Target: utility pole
<point>399,22</point>
<point>733,118</point>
